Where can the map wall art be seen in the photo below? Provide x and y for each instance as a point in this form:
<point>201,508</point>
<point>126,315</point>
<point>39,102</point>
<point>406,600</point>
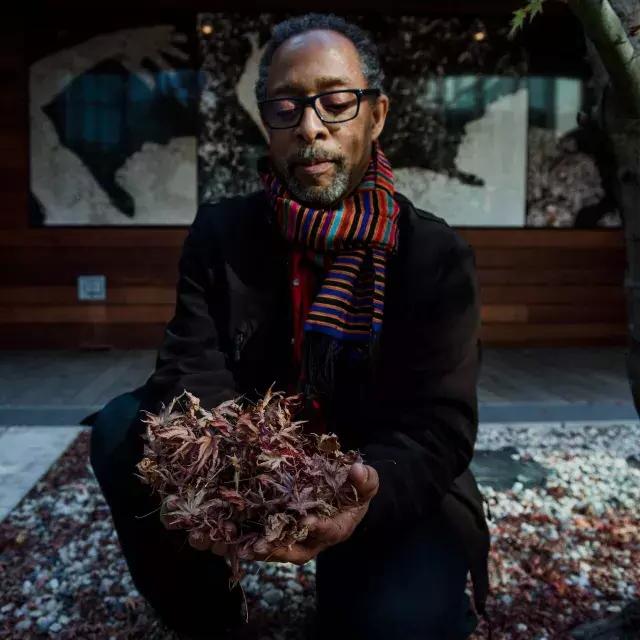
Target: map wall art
<point>138,125</point>
<point>113,126</point>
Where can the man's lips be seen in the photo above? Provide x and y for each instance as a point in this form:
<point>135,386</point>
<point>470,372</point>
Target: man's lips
<point>315,168</point>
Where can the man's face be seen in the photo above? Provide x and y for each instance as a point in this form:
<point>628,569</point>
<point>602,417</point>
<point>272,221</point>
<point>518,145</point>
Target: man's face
<point>321,163</point>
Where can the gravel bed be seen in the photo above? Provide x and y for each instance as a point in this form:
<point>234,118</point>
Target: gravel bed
<point>568,552</point>
<point>563,554</point>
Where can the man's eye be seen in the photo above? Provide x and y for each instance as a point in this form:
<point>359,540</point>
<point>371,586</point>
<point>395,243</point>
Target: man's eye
<point>337,105</point>
<point>285,106</point>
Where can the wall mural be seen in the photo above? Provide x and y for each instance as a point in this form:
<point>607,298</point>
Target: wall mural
<point>113,123</point>
<point>136,126</point>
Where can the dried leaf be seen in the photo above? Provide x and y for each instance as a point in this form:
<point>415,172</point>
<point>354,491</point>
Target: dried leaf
<point>271,460</point>
<point>275,526</point>
<point>208,450</point>
<point>328,443</point>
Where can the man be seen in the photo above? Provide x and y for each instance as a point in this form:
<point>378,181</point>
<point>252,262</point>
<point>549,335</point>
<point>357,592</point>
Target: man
<point>329,282</point>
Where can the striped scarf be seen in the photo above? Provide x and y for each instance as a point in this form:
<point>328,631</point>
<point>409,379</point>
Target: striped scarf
<point>352,241</point>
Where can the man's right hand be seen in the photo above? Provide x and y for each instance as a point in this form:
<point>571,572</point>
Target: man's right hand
<point>323,532</point>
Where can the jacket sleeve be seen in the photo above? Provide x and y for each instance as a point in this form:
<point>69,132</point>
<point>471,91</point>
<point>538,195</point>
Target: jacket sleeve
<point>190,355</point>
<point>423,434</point>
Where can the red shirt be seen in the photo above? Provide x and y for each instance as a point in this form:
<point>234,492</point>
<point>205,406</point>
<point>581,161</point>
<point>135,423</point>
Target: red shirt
<point>303,283</point>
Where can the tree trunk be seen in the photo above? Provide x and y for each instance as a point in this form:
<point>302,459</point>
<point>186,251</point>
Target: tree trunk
<point>614,53</point>
<point>625,136</point>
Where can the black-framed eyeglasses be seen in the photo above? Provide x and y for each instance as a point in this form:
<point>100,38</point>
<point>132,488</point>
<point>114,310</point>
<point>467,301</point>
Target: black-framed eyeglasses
<point>331,107</point>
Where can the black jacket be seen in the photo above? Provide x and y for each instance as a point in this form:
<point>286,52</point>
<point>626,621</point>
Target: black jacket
<point>415,421</point>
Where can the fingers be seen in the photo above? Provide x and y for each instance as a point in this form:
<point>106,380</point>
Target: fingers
<point>262,547</point>
<point>325,529</point>
<point>267,552</point>
<point>296,554</point>
<point>199,539</point>
<point>219,548</point>
<point>331,531</point>
<point>230,530</point>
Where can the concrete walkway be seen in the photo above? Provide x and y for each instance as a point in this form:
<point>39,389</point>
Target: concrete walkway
<point>516,385</point>
<point>562,384</point>
<point>26,453</point>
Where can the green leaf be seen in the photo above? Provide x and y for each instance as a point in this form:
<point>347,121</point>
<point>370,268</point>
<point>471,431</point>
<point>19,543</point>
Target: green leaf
<point>535,7</point>
<point>517,21</point>
<point>531,9</point>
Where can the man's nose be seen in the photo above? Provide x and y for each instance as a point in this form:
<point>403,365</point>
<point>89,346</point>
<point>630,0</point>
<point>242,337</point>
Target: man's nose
<point>310,127</point>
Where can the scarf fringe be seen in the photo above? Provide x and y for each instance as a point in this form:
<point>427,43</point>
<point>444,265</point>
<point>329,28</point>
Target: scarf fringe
<point>320,354</point>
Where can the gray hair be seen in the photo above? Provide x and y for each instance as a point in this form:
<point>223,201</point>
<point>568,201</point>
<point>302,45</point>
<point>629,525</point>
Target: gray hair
<point>367,50</point>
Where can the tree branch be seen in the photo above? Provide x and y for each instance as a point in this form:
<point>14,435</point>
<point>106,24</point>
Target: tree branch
<point>602,25</point>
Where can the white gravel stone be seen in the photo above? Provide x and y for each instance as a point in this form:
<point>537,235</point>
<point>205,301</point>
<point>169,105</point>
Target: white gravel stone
<point>294,586</point>
<point>44,622</point>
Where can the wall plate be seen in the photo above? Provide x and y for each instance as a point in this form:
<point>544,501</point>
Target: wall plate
<point>92,288</point>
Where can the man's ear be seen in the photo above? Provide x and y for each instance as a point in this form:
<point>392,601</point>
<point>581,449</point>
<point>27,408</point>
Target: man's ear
<point>379,110</point>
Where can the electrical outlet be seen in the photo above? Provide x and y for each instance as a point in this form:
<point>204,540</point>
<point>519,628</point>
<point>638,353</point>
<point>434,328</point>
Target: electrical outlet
<point>92,288</point>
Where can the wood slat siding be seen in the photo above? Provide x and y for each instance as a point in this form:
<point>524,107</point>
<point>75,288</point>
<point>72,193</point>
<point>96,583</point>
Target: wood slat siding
<point>538,287</point>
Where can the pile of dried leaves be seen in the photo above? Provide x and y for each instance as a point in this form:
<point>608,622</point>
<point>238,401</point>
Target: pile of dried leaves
<point>251,466</point>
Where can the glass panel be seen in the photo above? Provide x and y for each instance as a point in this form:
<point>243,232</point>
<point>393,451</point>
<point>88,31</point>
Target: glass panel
<point>281,113</point>
<point>338,106</point>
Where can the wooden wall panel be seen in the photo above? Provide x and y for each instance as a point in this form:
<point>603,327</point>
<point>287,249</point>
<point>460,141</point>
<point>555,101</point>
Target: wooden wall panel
<point>550,287</point>
<point>87,314</point>
<point>81,336</point>
<point>61,295</point>
<point>554,335</point>
<point>123,266</point>
<point>538,287</point>
<point>598,275</point>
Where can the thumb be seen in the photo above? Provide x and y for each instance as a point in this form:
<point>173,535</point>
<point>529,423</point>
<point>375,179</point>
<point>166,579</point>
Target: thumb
<point>365,480</point>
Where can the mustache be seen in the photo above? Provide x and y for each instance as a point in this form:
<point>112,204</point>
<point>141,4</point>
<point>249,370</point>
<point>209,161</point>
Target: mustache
<point>311,155</point>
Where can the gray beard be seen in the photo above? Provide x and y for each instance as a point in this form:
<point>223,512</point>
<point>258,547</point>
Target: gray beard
<point>318,197</point>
